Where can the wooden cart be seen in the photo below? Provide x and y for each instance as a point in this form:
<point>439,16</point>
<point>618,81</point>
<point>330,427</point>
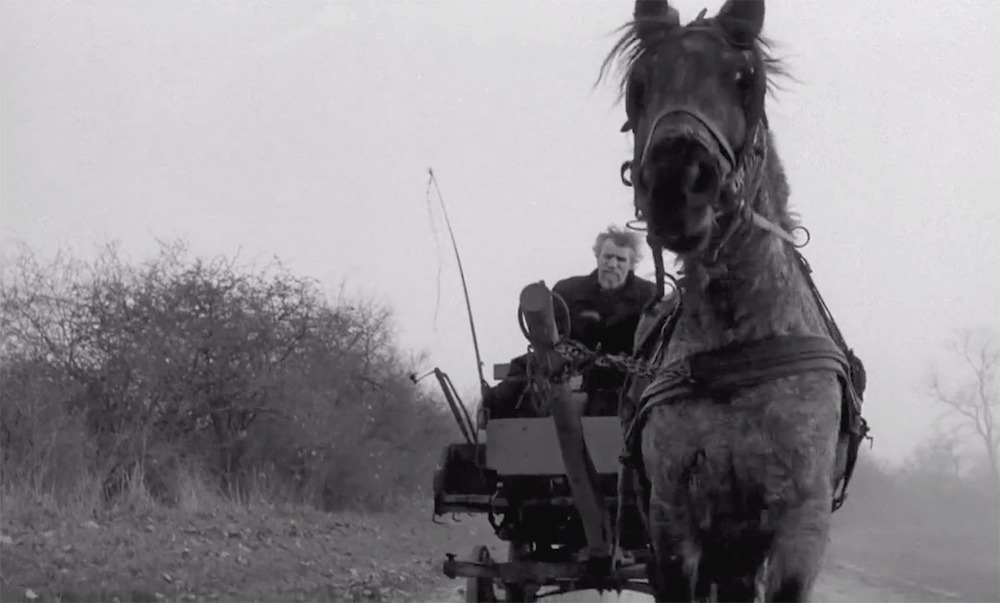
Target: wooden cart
<point>548,485</point>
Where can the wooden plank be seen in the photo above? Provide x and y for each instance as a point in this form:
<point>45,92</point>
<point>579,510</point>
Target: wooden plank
<point>531,446</point>
<point>539,320</point>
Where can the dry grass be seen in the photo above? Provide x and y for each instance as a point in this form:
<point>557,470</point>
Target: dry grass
<point>208,548</point>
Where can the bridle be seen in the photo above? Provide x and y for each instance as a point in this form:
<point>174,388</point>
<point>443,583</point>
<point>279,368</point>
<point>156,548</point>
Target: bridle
<point>742,175</point>
<point>715,136</point>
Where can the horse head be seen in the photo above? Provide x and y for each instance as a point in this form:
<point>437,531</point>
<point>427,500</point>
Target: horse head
<point>694,99</point>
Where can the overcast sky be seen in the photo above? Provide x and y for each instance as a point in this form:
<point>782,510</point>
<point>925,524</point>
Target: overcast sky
<point>304,131</point>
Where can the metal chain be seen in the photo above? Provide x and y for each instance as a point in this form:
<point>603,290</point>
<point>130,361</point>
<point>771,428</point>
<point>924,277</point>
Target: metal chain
<point>579,356</point>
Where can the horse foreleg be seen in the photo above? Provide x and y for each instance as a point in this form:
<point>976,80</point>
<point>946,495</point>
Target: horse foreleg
<point>736,569</point>
<point>798,550</point>
<point>673,568</point>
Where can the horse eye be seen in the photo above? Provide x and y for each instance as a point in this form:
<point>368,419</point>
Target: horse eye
<point>745,75</point>
<point>634,95</point>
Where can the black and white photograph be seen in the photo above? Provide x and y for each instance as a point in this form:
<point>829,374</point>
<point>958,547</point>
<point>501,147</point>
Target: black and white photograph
<point>499,300</point>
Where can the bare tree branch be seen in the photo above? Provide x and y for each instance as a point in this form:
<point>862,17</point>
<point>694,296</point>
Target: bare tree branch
<point>974,402</point>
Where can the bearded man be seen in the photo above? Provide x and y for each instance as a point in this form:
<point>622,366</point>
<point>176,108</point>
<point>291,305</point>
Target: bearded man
<point>604,309</point>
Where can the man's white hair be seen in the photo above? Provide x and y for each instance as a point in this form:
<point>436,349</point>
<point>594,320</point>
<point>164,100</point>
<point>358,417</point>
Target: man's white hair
<point>622,237</point>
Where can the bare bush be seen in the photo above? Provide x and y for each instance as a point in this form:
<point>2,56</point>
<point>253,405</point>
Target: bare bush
<point>179,364</point>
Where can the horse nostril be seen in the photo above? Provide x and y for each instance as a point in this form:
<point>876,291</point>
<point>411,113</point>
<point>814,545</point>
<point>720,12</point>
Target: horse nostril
<point>698,177</point>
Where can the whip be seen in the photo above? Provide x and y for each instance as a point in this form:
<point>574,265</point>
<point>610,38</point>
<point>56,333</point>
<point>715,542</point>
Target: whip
<point>483,385</point>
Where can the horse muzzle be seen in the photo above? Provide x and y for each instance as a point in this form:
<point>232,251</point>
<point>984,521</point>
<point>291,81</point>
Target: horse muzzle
<point>682,167</point>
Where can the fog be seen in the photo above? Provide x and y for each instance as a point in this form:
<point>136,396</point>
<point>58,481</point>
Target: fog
<point>304,131</point>
<point>924,525</point>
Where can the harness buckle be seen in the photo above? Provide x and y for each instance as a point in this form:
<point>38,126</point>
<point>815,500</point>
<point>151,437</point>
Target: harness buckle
<point>736,181</point>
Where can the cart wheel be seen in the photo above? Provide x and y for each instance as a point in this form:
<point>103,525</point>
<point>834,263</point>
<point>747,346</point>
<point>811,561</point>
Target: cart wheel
<point>519,592</point>
<point>480,590</point>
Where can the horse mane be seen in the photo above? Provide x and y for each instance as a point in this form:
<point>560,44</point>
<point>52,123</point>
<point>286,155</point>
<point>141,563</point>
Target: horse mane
<point>630,49</point>
<point>777,183</point>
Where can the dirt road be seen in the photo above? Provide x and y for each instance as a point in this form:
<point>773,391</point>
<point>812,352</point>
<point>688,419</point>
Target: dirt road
<point>840,583</point>
<point>273,554</point>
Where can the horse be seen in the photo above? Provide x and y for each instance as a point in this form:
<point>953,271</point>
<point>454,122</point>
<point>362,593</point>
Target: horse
<point>753,417</point>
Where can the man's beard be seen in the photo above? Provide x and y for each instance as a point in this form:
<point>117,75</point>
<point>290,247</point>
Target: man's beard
<point>610,280</point>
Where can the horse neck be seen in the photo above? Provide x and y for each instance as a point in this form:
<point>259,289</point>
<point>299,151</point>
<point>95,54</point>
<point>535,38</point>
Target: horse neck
<point>755,290</point>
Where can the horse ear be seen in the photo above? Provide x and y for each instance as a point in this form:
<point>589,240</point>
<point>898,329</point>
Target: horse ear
<point>650,15</point>
<point>742,20</point>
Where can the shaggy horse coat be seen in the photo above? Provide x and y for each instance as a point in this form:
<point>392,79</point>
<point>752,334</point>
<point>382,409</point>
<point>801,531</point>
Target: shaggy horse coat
<point>740,482</point>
